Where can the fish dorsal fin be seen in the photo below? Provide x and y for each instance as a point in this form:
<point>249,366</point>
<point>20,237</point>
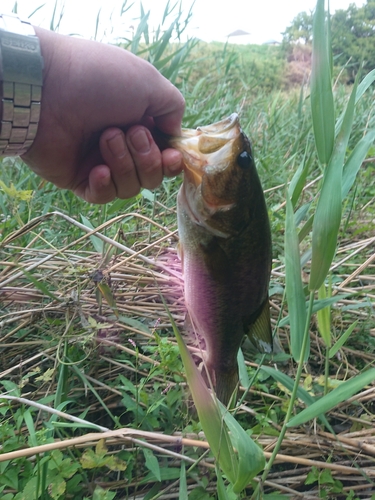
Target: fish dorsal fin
<point>260,331</point>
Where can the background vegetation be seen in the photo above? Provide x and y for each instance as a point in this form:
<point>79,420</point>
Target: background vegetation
<point>84,330</point>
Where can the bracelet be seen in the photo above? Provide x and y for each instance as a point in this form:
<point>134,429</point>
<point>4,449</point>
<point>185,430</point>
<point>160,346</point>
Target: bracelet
<point>21,67</point>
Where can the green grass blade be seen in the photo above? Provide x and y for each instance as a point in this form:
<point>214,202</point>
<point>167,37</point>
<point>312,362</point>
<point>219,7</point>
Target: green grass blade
<point>328,212</point>
<point>344,391</point>
<point>183,492</point>
<point>298,181</point>
<point>98,244</point>
<point>293,285</point>
<point>355,160</point>
<point>318,305</point>
<point>322,107</point>
<point>362,87</point>
<point>242,370</point>
<point>341,341</point>
<point>39,285</point>
<point>324,317</point>
<point>288,383</point>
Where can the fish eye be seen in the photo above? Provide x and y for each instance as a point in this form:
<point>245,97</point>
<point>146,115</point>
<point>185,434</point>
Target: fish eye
<point>244,160</point>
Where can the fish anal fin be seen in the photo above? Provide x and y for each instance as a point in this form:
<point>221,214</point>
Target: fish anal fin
<point>260,331</point>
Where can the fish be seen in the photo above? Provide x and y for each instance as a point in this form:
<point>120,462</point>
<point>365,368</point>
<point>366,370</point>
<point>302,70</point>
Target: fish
<point>225,248</point>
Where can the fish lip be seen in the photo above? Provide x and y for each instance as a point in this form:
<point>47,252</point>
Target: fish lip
<point>206,146</point>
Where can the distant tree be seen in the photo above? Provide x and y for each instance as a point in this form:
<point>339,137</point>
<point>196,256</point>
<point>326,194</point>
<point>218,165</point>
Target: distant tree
<point>353,36</point>
<point>300,30</point>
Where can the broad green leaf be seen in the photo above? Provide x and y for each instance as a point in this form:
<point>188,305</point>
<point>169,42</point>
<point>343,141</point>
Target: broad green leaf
<point>328,212</point>
<point>251,458</point>
<point>345,391</point>
<point>208,412</point>
<point>293,285</point>
<point>288,383</point>
<point>152,463</point>
<point>322,107</point>
<point>97,243</point>
<point>148,195</point>
<point>341,341</point>
<point>103,494</point>
<point>355,160</point>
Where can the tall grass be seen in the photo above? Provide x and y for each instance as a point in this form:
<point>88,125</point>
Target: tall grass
<point>85,336</point>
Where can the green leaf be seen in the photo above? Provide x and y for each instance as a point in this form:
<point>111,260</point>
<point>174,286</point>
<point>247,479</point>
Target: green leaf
<point>102,494</point>
<point>148,195</point>
<point>288,383</point>
<point>209,414</point>
<point>355,160</point>
<point>328,212</point>
<point>293,285</point>
<point>362,87</point>
<point>322,107</point>
<point>242,370</point>
<point>251,458</point>
<point>152,463</point>
<point>324,318</point>
<point>97,243</point>
<point>298,181</point>
<point>318,304</point>
<point>183,492</point>
<point>341,341</point>
<point>135,323</point>
<point>40,285</point>
<point>108,295</point>
<point>344,391</point>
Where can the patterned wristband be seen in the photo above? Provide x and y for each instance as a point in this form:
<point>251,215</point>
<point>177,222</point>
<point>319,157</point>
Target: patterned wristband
<point>21,66</point>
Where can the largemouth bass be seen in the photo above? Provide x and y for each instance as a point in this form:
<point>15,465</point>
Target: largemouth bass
<point>225,247</point>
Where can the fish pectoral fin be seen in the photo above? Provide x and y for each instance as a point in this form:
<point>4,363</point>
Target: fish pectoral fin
<point>260,331</point>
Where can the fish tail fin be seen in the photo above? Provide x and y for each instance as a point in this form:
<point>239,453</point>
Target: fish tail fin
<point>225,384</point>
<point>226,388</point>
<point>260,332</point>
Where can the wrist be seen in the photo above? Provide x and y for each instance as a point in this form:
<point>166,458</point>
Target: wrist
<point>21,85</point>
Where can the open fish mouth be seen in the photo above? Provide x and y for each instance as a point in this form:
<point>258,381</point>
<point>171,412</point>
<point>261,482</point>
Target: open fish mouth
<point>208,147</point>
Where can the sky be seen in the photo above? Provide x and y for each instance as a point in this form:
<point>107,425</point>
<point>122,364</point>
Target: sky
<point>264,20</point>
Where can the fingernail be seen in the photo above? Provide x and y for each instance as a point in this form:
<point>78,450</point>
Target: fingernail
<point>140,141</point>
<point>117,146</point>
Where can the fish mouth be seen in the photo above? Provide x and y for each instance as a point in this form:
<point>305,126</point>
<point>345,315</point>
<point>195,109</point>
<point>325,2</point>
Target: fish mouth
<point>207,147</point>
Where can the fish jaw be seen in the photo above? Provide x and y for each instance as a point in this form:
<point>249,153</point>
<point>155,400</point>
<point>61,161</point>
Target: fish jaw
<point>209,151</point>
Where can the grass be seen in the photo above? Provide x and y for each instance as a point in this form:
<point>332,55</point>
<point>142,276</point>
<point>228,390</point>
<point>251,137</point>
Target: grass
<point>96,403</point>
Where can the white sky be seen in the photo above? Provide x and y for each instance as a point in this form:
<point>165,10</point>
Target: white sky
<point>263,19</point>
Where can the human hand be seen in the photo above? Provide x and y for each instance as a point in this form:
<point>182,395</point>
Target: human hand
<point>99,106</point>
